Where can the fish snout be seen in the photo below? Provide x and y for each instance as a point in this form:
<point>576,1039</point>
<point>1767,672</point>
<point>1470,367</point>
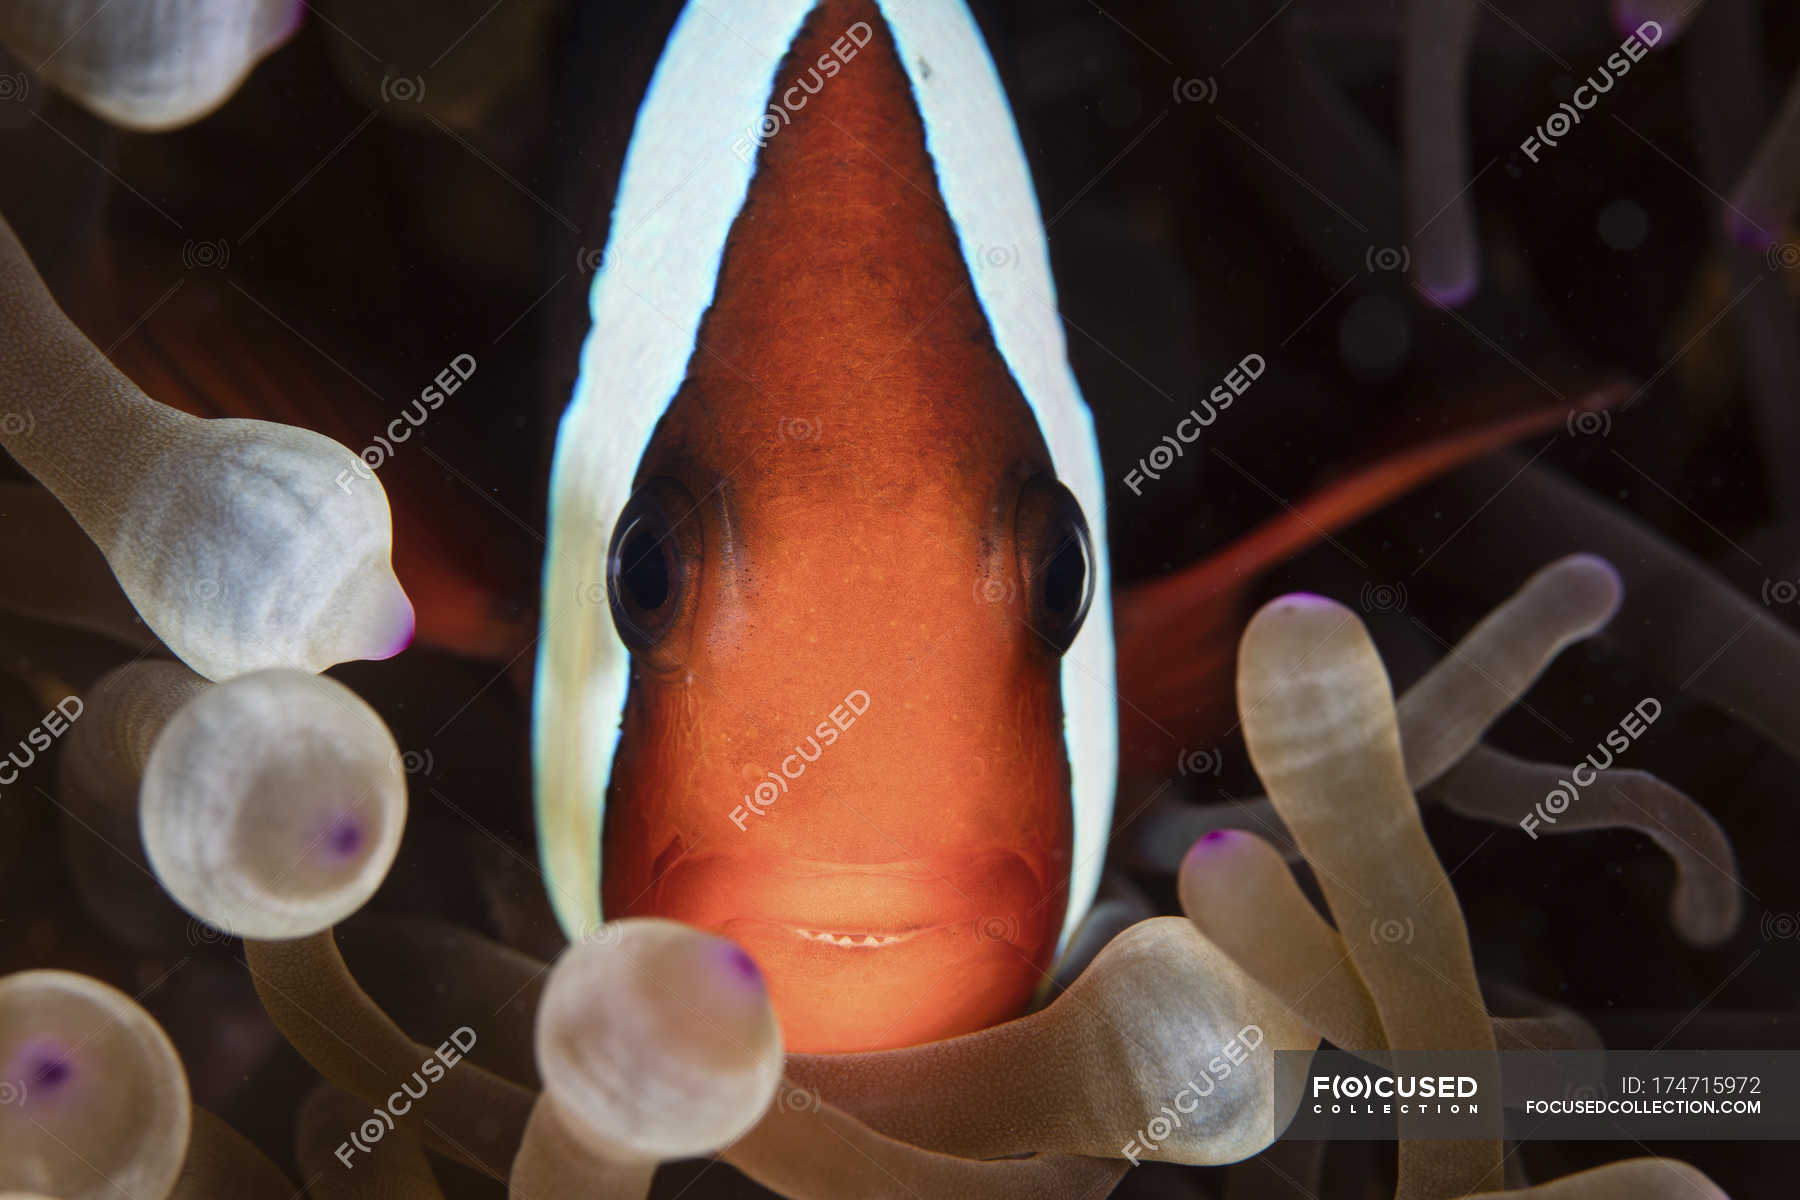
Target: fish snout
<point>864,955</point>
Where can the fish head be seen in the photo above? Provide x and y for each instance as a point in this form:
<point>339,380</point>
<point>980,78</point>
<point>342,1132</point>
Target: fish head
<point>845,575</point>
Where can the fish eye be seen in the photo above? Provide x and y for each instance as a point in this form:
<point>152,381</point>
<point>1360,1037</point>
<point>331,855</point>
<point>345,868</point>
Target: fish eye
<point>651,562</point>
<point>1056,560</point>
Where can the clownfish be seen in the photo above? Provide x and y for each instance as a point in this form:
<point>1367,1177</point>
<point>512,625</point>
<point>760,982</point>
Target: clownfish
<point>826,662</point>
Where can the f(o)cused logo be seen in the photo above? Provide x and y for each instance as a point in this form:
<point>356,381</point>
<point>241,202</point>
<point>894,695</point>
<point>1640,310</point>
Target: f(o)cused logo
<point>1780,591</point>
<point>402,89</point>
<point>1387,258</point>
<point>199,255</point>
<point>1781,927</point>
<point>996,256</point>
<point>1194,91</point>
<point>998,929</point>
<point>793,1099</point>
<point>1391,932</point>
<point>1588,424</point>
<point>606,933</point>
<point>995,591</point>
<point>1384,597</point>
<point>1200,762</point>
<point>1783,256</point>
<point>205,933</point>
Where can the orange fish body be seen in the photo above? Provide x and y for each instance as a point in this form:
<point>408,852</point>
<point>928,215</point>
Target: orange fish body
<point>854,559</point>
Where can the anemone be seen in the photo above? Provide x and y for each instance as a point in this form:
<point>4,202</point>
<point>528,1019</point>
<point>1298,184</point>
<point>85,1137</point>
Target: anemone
<point>1444,714</point>
<point>1116,1043</point>
<point>1707,900</point>
<point>1766,194</point>
<point>1397,970</point>
<point>816,1152</point>
<point>470,1115</point>
<point>242,544</point>
<point>1320,723</point>
<point>220,1162</point>
<point>99,1102</point>
<point>1442,718</point>
<point>1138,1025</point>
<point>1325,140</point>
<point>147,64</point>
<point>1034,1106</point>
<point>1236,888</point>
<point>1727,90</point>
<point>1630,1179</point>
<point>1672,15</point>
<point>1119,906</point>
<point>1434,126</point>
<point>1061,1085</point>
<point>1679,617</point>
<point>101,768</point>
<point>272,805</point>
<point>687,1060</point>
<point>389,955</point>
<point>400,1172</point>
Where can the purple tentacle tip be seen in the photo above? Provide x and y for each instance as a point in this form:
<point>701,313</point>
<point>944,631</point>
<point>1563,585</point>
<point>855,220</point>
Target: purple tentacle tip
<point>1211,842</point>
<point>1756,231</point>
<point>1305,600</point>
<point>741,966</point>
<point>345,836</point>
<point>41,1068</point>
<point>404,637</point>
<point>1453,293</point>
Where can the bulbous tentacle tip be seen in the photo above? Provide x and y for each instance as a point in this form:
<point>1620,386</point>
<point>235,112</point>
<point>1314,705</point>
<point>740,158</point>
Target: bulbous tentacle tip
<point>1601,587</point>
<point>1667,18</point>
<point>273,805</point>
<point>70,1047</point>
<point>1452,291</point>
<point>1209,846</point>
<point>658,1000</point>
<point>736,966</point>
<point>282,31</point>
<point>379,621</point>
<point>1295,607</point>
<point>1303,600</point>
<point>148,67</point>
<point>1283,631</point>
<point>1756,230</point>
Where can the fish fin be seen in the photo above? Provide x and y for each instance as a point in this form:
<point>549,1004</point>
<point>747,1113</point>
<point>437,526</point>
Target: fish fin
<point>1177,634</point>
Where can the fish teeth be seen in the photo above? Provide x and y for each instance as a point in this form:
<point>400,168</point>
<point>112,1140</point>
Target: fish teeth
<point>850,939</point>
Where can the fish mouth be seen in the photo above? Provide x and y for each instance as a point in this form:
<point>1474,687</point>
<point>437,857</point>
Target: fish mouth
<point>867,956</point>
<point>864,941</point>
<point>994,894</point>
